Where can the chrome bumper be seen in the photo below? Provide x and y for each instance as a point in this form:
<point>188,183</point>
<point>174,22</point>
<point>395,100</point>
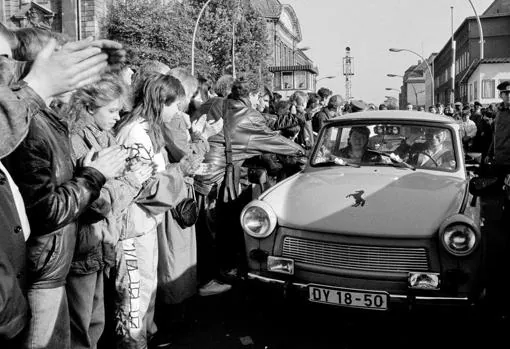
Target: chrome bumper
<point>397,297</point>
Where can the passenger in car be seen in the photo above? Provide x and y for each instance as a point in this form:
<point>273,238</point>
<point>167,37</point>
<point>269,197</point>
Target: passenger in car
<point>357,148</point>
<point>434,152</point>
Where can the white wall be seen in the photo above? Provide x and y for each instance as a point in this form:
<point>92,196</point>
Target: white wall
<point>498,72</point>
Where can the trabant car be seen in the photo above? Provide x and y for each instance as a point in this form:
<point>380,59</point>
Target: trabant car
<point>373,229</point>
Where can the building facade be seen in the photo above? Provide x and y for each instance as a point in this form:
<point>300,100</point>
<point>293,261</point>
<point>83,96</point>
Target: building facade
<point>76,19</point>
<point>483,77</point>
<point>413,86</point>
<point>496,31</point>
<point>429,79</point>
<point>292,69</point>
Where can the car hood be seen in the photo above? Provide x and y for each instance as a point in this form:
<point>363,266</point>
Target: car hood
<point>378,202</point>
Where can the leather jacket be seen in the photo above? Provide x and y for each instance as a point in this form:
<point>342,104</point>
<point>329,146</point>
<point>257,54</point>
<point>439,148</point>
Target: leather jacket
<point>55,195</point>
<point>250,136</point>
<point>321,117</point>
<point>15,117</point>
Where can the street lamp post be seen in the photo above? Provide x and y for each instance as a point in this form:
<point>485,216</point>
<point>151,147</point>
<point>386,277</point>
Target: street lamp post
<point>479,28</point>
<point>195,36</point>
<point>412,85</point>
<point>323,78</point>
<point>427,64</point>
<point>195,30</point>
<point>326,77</point>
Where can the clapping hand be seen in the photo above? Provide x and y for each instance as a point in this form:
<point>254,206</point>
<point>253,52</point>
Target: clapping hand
<point>76,64</point>
<point>207,128</point>
<point>190,164</point>
<point>111,162</point>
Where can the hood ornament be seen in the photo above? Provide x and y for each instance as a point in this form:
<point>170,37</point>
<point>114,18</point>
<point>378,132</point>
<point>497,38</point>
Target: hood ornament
<point>357,196</point>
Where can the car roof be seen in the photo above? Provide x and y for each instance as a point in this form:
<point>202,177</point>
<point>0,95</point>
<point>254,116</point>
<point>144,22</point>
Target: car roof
<point>394,115</point>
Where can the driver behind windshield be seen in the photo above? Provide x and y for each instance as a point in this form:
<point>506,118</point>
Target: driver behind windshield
<point>434,152</point>
<point>357,149</point>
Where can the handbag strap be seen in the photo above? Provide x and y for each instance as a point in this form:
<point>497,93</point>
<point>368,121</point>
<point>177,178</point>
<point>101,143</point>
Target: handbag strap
<point>230,187</point>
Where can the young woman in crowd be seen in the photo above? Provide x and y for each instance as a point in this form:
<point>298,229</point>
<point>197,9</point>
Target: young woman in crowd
<point>155,101</point>
<point>93,111</point>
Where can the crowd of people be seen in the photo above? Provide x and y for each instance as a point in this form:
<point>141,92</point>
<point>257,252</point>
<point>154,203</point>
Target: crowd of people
<point>121,186</point>
<point>475,120</point>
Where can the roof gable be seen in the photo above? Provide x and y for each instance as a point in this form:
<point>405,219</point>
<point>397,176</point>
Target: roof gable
<point>290,22</point>
<point>267,8</point>
<point>498,7</point>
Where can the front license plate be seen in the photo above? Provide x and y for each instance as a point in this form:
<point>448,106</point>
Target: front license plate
<point>348,298</point>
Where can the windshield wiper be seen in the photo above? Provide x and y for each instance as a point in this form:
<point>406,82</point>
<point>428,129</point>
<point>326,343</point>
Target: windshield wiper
<point>336,162</point>
<point>395,159</point>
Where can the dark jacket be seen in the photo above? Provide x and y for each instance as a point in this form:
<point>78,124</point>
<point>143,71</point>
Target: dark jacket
<point>285,121</point>
<point>16,113</point>
<point>13,306</point>
<point>323,115</point>
<point>250,136</point>
<point>500,148</point>
<point>55,195</point>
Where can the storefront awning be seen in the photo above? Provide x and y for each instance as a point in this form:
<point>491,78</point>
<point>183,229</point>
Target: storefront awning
<point>308,67</point>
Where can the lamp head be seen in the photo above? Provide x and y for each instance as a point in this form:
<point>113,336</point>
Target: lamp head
<point>395,50</point>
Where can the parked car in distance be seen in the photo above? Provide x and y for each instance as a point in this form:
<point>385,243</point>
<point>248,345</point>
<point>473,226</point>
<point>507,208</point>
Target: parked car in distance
<point>373,227</point>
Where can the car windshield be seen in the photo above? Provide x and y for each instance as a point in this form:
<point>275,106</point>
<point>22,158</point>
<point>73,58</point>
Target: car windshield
<point>386,144</point>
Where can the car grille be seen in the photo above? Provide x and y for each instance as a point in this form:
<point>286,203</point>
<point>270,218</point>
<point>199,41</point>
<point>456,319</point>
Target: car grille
<point>356,257</point>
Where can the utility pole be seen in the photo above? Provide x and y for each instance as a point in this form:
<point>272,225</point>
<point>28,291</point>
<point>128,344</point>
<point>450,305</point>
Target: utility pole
<point>348,72</point>
<point>452,94</point>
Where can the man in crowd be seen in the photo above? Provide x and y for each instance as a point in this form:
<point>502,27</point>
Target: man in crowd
<point>76,65</point>
<point>324,94</point>
<point>440,108</point>
<point>468,128</point>
<point>247,134</point>
<point>332,110</point>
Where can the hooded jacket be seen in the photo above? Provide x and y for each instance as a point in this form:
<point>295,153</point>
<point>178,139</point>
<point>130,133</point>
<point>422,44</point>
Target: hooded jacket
<point>96,241</point>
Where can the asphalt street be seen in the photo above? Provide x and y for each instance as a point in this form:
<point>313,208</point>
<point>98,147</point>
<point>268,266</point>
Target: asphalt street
<point>251,317</point>
<point>247,318</point>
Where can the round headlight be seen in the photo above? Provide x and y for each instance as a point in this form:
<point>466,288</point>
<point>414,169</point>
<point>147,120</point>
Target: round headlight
<point>258,219</point>
<point>459,239</point>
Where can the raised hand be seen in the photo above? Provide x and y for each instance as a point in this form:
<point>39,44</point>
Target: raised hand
<point>190,164</point>
<point>198,125</point>
<point>213,127</point>
<point>76,64</point>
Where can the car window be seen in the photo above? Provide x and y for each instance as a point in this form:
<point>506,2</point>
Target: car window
<point>424,147</point>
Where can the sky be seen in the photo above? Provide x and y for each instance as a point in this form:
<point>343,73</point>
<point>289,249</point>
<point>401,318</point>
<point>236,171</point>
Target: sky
<point>370,28</point>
